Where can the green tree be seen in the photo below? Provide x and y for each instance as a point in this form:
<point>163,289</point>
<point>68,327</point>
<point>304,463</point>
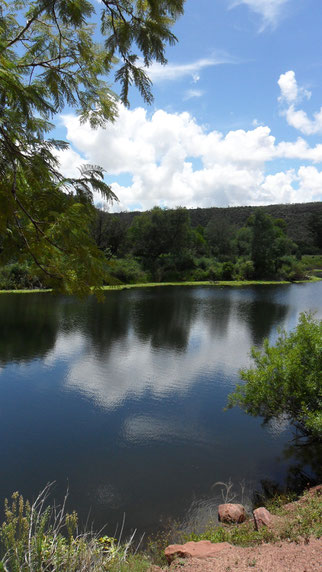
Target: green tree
<point>150,235</point>
<point>220,234</point>
<point>162,238</point>
<point>269,244</point>
<point>109,232</point>
<point>287,378</point>
<point>200,243</point>
<point>316,229</point>
<point>53,54</point>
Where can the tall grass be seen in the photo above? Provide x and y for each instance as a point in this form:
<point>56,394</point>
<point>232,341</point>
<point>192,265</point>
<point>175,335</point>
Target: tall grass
<point>35,537</point>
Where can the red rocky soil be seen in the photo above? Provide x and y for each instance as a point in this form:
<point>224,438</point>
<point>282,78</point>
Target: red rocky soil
<point>280,557</point>
<point>286,556</point>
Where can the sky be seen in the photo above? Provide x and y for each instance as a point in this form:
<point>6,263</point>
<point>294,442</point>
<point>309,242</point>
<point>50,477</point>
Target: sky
<point>236,117</point>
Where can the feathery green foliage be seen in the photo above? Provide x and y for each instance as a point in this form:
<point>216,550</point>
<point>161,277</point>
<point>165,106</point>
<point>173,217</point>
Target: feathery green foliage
<point>53,54</point>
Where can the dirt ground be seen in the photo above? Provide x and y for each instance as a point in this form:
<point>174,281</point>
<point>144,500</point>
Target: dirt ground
<point>280,557</point>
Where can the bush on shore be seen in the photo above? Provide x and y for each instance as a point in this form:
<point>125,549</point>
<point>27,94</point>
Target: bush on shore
<point>18,276</point>
<point>286,378</point>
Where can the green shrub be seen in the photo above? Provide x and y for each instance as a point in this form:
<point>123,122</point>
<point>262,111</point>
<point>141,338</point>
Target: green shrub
<point>216,271</point>
<point>200,275</point>
<point>286,378</point>
<point>128,271</point>
<point>291,269</point>
<point>18,276</point>
<point>244,270</point>
<point>227,271</point>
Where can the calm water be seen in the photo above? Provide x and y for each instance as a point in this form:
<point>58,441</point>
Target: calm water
<point>122,401</point>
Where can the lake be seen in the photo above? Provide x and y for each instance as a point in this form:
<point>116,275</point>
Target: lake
<point>121,402</point>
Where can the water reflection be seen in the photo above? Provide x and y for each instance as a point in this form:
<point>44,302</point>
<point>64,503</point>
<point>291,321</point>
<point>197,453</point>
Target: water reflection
<point>262,315</point>
<point>305,457</point>
<point>28,326</point>
<point>128,368</point>
<point>125,399</point>
<point>165,320</point>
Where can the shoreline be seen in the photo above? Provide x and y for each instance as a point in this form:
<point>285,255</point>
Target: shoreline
<point>218,283</point>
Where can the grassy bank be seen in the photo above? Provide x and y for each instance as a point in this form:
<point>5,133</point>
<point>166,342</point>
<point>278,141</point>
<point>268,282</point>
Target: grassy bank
<point>219,283</point>
<point>25,291</point>
<point>292,521</point>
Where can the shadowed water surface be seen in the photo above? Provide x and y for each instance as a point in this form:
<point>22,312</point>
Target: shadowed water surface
<point>122,401</point>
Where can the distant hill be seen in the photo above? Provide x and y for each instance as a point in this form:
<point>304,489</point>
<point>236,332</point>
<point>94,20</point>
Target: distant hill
<point>298,218</point>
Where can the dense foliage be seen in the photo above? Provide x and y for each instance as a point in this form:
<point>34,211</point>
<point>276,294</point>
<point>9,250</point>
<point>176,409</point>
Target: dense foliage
<point>303,220</point>
<point>52,54</point>
<point>162,245</point>
<point>286,378</point>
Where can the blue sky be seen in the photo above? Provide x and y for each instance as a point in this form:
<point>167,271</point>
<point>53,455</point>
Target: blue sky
<point>236,117</point>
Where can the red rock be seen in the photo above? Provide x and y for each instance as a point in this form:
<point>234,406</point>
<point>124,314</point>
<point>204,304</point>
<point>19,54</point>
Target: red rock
<point>262,517</point>
<point>231,513</point>
<point>201,549</point>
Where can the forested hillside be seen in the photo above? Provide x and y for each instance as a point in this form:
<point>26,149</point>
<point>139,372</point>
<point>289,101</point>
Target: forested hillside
<point>303,220</point>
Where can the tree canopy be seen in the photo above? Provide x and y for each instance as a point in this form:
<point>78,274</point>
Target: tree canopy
<point>53,53</point>
<point>286,378</point>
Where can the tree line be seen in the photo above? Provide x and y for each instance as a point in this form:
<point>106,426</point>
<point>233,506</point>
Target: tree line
<point>162,245</point>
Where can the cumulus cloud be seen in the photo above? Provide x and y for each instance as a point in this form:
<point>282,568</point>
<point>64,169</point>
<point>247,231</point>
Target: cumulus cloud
<point>291,93</point>
<point>288,87</point>
<point>299,119</point>
<point>169,160</point>
<point>270,10</point>
<point>70,162</point>
<point>291,96</point>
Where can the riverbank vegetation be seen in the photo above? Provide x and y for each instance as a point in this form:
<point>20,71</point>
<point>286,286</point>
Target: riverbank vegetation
<point>286,378</point>
<point>295,521</point>
<point>162,246</point>
<point>38,537</point>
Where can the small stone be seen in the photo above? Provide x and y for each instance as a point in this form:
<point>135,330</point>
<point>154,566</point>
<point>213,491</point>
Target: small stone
<point>201,549</point>
<point>262,517</point>
<point>230,512</point>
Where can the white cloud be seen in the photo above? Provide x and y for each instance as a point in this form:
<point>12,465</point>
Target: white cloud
<point>288,86</point>
<point>192,93</point>
<point>172,160</point>
<point>70,161</point>
<point>291,95</point>
<point>270,10</point>
<point>173,72</point>
<point>300,120</point>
